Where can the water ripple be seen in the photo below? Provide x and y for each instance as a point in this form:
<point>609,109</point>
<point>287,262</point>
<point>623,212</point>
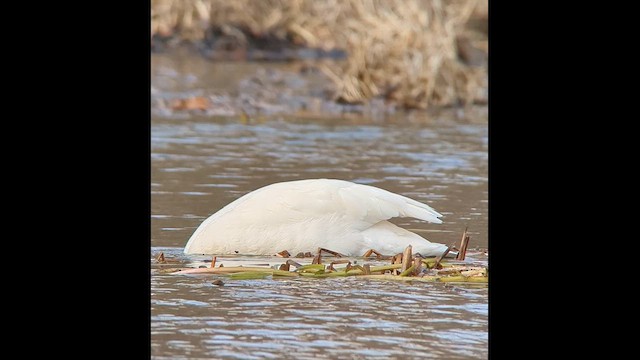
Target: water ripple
<point>301,318</point>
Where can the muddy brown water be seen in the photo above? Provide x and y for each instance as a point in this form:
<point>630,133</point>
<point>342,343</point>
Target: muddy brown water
<point>201,162</point>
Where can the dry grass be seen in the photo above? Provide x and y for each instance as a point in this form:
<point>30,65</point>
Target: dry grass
<point>403,50</point>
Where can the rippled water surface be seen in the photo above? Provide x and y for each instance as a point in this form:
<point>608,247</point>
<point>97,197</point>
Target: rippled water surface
<point>200,163</point>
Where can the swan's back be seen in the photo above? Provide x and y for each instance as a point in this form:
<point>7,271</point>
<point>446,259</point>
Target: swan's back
<point>303,215</point>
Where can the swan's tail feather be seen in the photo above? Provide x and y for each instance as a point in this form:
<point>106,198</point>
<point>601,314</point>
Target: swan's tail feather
<point>393,205</point>
<point>422,212</point>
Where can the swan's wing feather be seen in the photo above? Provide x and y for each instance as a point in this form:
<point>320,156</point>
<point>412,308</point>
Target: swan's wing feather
<point>297,200</point>
<point>301,209</point>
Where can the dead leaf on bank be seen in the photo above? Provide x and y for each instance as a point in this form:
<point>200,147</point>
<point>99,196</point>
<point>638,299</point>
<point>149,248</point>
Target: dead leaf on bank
<point>192,103</point>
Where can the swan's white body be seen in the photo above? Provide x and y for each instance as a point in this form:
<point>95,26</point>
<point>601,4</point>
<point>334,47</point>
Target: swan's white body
<point>303,215</point>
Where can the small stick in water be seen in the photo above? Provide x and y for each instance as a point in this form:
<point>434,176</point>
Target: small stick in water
<point>160,258</point>
<point>213,262</point>
<point>463,245</point>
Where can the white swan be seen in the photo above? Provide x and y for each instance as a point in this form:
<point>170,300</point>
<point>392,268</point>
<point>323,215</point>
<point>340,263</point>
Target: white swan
<point>301,216</point>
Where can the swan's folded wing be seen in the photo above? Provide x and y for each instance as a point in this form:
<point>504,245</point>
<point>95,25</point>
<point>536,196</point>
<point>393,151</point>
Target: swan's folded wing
<point>371,205</point>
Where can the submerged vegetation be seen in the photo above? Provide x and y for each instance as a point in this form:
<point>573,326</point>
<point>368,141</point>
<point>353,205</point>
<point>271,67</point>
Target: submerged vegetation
<point>404,266</point>
<point>412,53</point>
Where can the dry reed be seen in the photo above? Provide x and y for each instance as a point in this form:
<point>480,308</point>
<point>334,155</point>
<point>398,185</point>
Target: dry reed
<point>406,51</point>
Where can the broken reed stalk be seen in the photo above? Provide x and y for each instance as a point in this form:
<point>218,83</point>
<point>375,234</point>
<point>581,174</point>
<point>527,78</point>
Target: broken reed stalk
<point>310,268</point>
<point>463,245</point>
<point>355,270</point>
<point>396,260</point>
<point>318,258</point>
<point>284,254</point>
<point>439,258</point>
<point>304,254</point>
<point>406,259</point>
<point>367,269</point>
<point>334,253</point>
<point>291,262</point>
<point>461,274</point>
<point>343,261</point>
<point>408,271</point>
<point>373,251</point>
<point>404,265</point>
<point>417,264</point>
<point>466,244</point>
<point>249,275</point>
